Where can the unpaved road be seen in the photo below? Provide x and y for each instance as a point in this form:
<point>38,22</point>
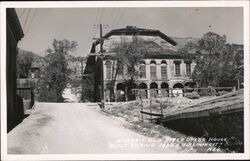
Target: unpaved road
<point>75,128</point>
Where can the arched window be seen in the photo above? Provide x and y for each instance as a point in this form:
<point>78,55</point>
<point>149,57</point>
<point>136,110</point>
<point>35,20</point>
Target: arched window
<point>108,70</point>
<point>142,69</point>
<point>120,92</point>
<point>153,69</point>
<point>143,93</point>
<point>164,89</point>
<point>164,69</point>
<point>153,89</point>
<point>178,85</point>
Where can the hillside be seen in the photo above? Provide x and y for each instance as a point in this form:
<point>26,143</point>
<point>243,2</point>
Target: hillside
<point>182,41</point>
<point>26,60</point>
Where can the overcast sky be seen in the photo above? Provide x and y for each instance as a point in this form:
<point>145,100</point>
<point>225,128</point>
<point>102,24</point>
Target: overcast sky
<point>41,26</point>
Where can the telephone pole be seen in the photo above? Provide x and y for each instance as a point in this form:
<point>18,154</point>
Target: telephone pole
<point>101,56</point>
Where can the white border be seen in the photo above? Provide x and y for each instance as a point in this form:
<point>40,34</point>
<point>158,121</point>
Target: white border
<point>91,4</point>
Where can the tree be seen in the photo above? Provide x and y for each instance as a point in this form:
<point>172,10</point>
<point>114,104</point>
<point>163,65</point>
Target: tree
<point>24,61</point>
<point>216,62</point>
<point>55,74</point>
<point>87,89</point>
<point>211,43</point>
<point>128,56</point>
<point>210,46</point>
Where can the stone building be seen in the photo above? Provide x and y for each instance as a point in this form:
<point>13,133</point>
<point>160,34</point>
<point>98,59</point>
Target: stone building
<point>161,71</point>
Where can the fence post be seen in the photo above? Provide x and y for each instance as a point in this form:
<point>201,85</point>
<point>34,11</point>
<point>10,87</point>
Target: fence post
<point>172,94</point>
<point>141,109</point>
<point>161,105</point>
<point>150,108</point>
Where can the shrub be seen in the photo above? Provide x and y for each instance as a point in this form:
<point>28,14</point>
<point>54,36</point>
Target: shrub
<point>193,95</point>
<point>221,93</point>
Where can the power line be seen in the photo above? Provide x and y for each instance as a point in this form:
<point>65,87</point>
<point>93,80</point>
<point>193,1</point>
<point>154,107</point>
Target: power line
<point>121,16</point>
<point>21,14</point>
<point>34,14</point>
<point>117,18</point>
<point>97,15</point>
<point>101,18</point>
<point>111,15</point>
<point>97,18</point>
<point>27,17</point>
<point>116,13</point>
<point>90,33</point>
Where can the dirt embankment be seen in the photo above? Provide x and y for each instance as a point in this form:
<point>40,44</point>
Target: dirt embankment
<point>128,113</point>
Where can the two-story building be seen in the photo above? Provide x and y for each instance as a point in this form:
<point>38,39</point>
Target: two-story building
<point>160,69</point>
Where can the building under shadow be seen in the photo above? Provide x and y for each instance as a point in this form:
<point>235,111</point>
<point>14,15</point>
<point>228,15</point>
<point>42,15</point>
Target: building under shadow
<point>14,32</point>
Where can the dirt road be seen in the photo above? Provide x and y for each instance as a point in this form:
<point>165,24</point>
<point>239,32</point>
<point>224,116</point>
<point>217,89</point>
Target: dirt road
<point>70,128</point>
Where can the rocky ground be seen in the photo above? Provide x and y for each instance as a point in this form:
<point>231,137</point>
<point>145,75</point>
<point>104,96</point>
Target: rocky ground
<point>128,113</point>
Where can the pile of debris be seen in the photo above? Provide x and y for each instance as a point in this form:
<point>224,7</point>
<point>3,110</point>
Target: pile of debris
<point>128,113</point>
<point>131,110</point>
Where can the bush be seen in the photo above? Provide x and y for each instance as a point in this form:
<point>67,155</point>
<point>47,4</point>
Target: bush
<point>221,93</point>
<point>193,95</point>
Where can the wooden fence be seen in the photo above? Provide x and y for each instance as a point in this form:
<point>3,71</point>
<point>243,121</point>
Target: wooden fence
<point>155,113</point>
<point>173,92</point>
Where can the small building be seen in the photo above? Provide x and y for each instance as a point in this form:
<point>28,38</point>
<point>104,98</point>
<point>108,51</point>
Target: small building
<point>160,70</point>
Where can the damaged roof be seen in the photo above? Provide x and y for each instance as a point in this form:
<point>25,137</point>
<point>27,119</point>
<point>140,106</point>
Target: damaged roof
<point>132,30</point>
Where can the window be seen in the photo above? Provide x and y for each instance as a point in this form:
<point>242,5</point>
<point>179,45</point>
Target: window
<point>108,70</point>
<point>164,69</point>
<point>188,68</point>
<point>120,67</point>
<point>153,69</point>
<point>143,71</point>
<point>177,68</point>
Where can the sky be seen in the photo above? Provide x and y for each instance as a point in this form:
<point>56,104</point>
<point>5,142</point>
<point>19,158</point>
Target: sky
<point>42,25</point>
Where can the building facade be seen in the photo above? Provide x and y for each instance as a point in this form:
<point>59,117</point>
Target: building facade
<point>161,71</point>
<point>14,34</point>
<point>155,73</point>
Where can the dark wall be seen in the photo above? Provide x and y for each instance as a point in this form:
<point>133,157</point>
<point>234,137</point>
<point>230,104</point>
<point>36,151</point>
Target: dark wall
<point>14,103</point>
<point>97,81</point>
<point>230,126</point>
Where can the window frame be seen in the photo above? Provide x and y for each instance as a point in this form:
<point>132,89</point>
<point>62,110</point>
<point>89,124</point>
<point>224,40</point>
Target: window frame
<point>153,70</point>
<point>179,68</point>
<point>188,69</point>
<point>164,75</point>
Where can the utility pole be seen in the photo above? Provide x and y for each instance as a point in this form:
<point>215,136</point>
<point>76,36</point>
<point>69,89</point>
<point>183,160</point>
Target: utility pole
<point>81,75</point>
<point>101,56</point>
<point>81,59</point>
<point>102,79</point>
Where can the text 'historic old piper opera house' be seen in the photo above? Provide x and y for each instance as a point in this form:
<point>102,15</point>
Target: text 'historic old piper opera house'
<point>162,70</point>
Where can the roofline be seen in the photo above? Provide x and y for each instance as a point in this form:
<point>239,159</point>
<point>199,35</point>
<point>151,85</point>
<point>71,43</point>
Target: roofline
<point>14,23</point>
<point>137,31</point>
